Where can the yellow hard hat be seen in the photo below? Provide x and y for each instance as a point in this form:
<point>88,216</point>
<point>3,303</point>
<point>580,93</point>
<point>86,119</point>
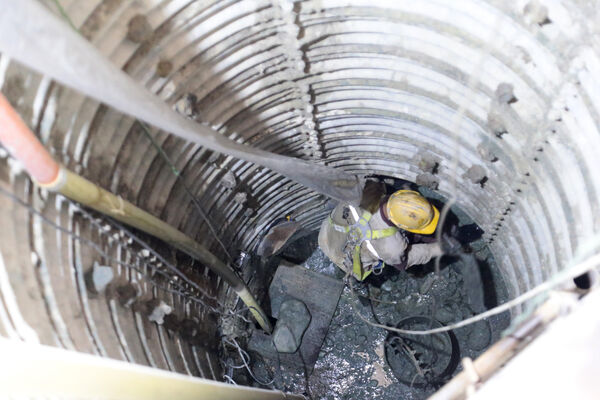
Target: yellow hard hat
<point>412,212</point>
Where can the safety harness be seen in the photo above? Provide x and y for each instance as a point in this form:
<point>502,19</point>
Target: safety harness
<point>360,232</point>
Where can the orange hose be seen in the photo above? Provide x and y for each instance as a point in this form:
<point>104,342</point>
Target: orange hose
<point>20,141</point>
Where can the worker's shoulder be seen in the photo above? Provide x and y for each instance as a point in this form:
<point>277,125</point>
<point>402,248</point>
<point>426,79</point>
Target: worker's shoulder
<point>342,211</point>
<point>377,221</point>
<point>337,215</point>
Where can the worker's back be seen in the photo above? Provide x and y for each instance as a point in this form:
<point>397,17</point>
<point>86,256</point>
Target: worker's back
<point>334,241</point>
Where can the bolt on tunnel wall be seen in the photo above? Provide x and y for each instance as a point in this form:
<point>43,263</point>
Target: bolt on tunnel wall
<point>493,104</point>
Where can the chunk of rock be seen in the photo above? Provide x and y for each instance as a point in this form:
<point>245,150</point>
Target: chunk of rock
<point>428,180</point>
<point>214,157</point>
<point>158,309</point>
<point>445,315</point>
<point>426,286</point>
<point>228,180</point>
<point>99,277</point>
<point>241,198</point>
<point>187,105</point>
<point>294,319</point>
<point>428,163</point>
<point>475,174</point>
<point>536,13</point>
<point>505,93</point>
<point>387,286</point>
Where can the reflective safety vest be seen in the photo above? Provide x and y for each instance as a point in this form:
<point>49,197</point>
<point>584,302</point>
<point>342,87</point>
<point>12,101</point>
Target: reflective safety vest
<point>361,232</point>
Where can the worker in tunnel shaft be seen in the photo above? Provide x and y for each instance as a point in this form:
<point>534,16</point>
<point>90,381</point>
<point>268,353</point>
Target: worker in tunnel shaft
<point>396,230</point>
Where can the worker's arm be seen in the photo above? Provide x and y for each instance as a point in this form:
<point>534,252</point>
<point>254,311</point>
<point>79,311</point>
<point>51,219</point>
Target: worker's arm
<point>391,250</point>
<point>419,254</point>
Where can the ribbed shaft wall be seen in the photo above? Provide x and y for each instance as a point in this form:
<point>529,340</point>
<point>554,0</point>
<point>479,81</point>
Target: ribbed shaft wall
<point>372,87</point>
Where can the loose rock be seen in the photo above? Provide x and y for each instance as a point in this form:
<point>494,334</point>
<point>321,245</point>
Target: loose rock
<point>475,174</point>
<point>480,336</point>
<point>387,286</point>
<point>241,198</point>
<point>228,180</point>
<point>428,180</point>
<point>444,315</point>
<point>294,318</point>
<point>536,13</point>
<point>187,105</point>
<point>101,276</point>
<point>158,309</point>
<point>428,163</point>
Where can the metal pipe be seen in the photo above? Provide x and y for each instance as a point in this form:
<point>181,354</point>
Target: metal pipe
<point>36,371</point>
<point>46,172</point>
<point>31,34</point>
<point>16,137</point>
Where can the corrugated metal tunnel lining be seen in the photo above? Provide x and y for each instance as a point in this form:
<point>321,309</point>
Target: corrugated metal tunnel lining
<point>369,87</point>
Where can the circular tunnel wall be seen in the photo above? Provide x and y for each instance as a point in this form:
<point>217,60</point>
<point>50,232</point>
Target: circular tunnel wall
<point>495,104</point>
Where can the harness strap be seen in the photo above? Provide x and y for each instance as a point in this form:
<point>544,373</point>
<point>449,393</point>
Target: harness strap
<point>383,233</point>
<point>363,234</point>
<point>357,264</point>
